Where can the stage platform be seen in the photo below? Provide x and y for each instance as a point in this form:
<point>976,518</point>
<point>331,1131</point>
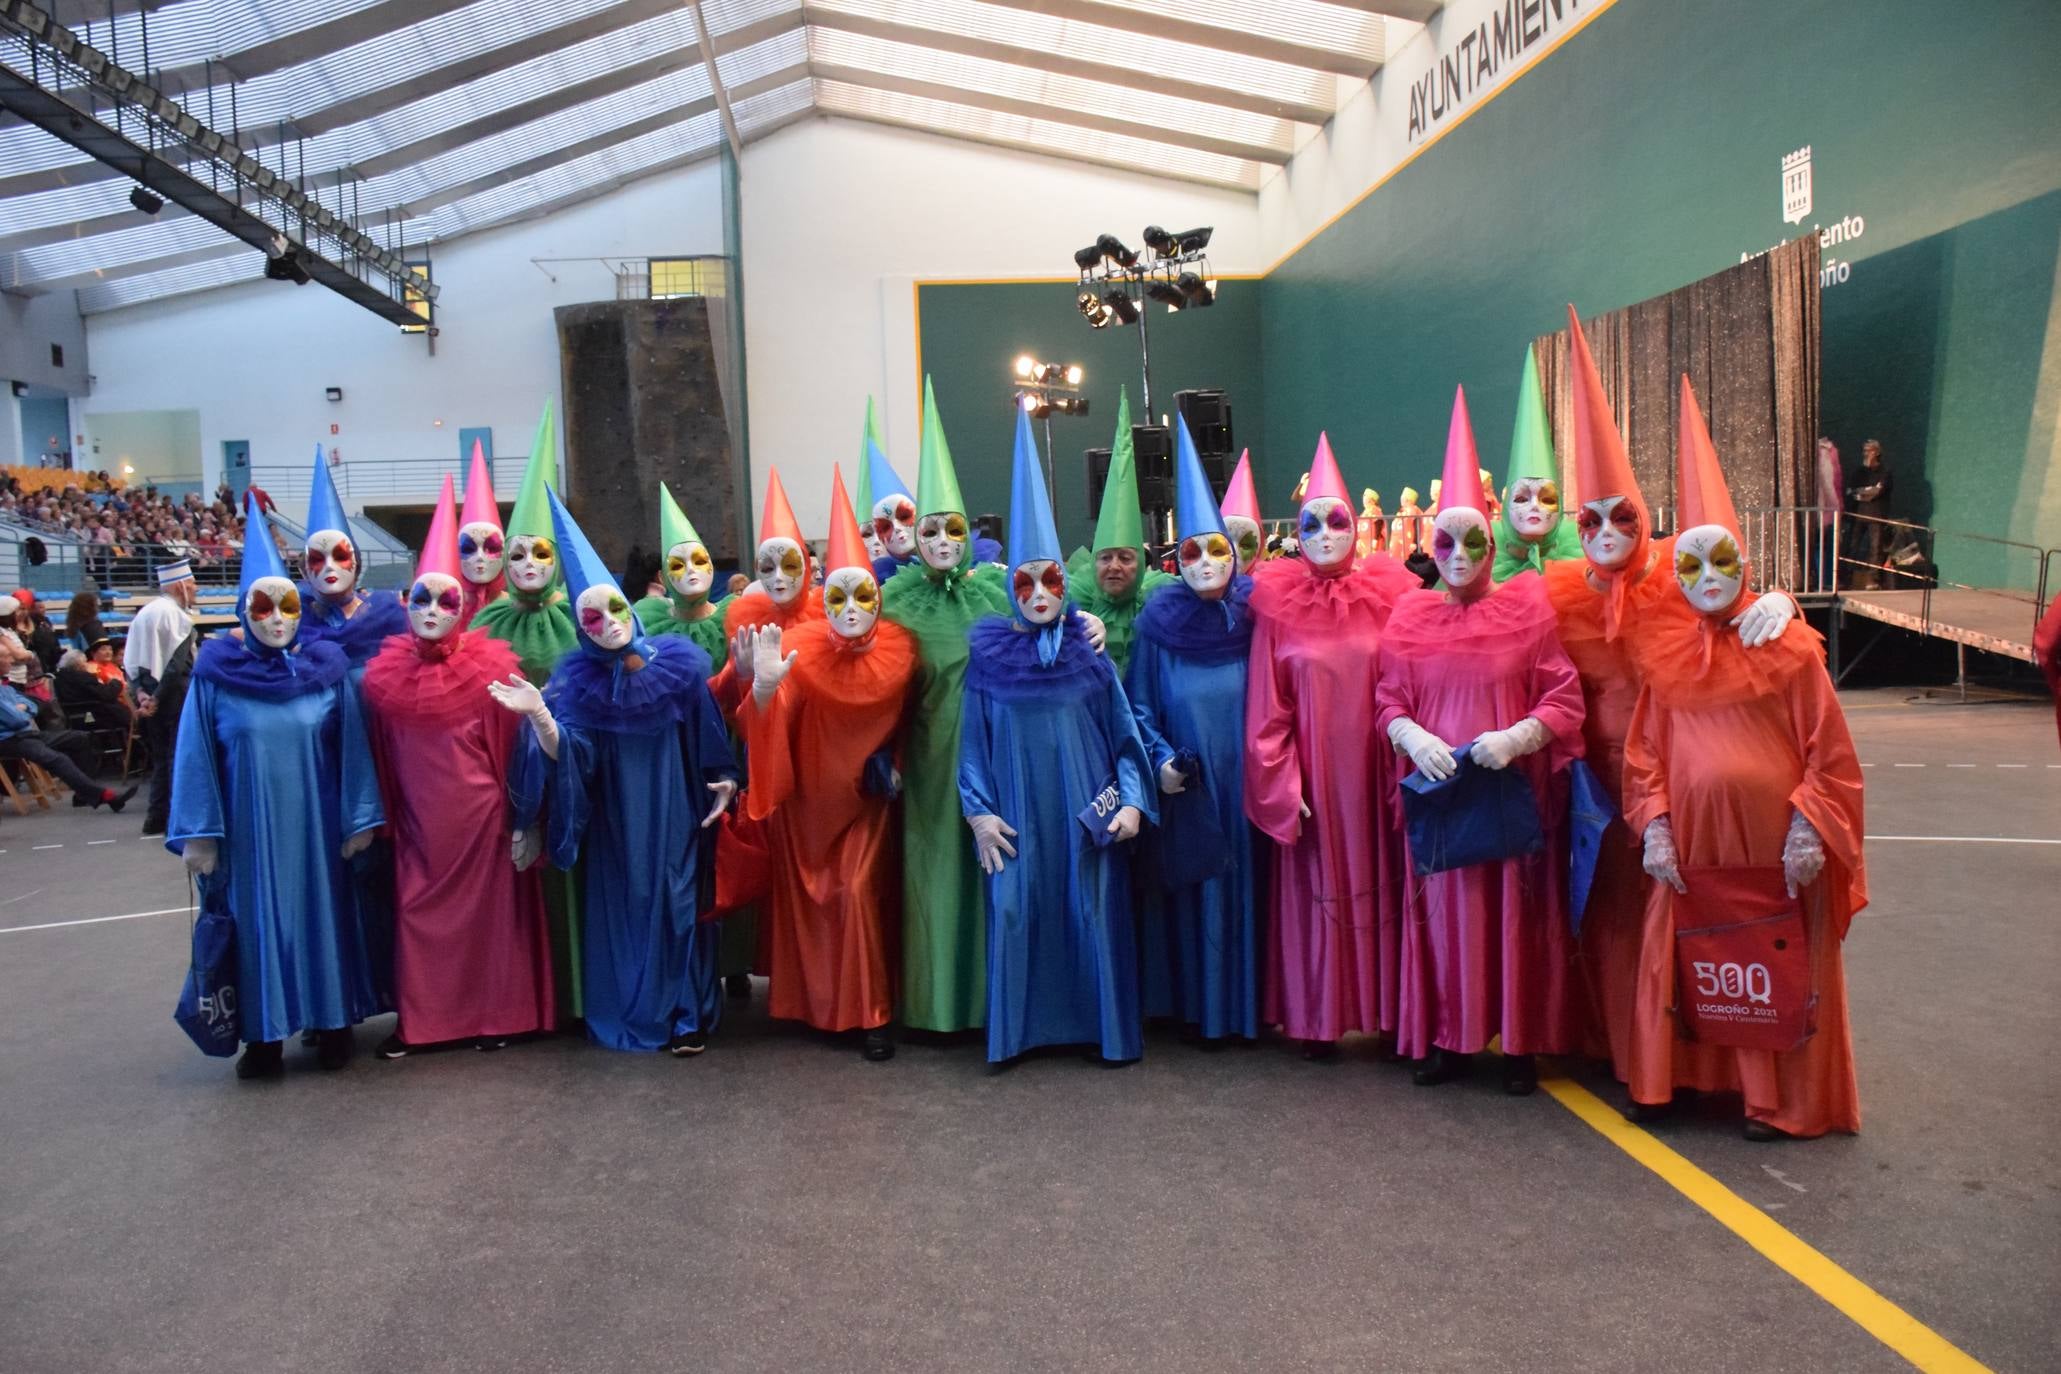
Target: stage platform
<point>1996,622</point>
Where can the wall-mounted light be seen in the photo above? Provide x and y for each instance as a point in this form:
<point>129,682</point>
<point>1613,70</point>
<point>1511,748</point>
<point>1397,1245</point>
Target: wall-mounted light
<point>334,393</point>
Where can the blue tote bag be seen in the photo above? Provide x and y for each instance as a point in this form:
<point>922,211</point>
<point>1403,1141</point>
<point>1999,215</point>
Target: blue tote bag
<point>207,1003</point>
<point>1477,816</point>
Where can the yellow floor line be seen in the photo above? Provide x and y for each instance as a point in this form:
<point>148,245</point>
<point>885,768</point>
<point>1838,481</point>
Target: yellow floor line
<point>1925,1348</point>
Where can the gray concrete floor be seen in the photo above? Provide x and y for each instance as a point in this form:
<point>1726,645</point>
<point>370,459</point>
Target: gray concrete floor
<point>779,1203</point>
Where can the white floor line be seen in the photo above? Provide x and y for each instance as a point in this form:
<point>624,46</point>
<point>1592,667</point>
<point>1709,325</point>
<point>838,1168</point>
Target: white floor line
<point>2014,765</point>
<point>1961,839</point>
<point>1906,765</point>
<point>92,920</point>
<point>100,842</point>
<point>46,846</point>
<point>1961,765</point>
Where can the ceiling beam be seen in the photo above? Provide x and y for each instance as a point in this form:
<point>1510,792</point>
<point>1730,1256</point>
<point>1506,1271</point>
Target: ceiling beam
<point>1415,11</point>
<point>1114,16</point>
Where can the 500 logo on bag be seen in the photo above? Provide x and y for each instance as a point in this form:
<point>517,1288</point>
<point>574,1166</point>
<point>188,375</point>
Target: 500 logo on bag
<point>1742,958</point>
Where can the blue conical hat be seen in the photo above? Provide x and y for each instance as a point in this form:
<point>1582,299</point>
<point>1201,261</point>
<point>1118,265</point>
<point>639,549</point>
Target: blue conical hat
<point>325,508</point>
<point>581,566</point>
<point>1195,504</point>
<point>1033,537</point>
<point>260,559</point>
<point>882,481</point>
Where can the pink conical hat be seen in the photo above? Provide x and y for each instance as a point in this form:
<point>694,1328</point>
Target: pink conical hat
<point>1701,496</point>
<point>440,546</point>
<point>1325,478</point>
<point>1242,497</point>
<point>1463,464</point>
<point>480,507</point>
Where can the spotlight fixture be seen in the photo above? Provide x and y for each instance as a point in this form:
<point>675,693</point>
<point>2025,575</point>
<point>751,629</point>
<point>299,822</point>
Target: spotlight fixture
<point>1034,405</point>
<point>1167,294</point>
<point>1087,258</point>
<point>1074,375</point>
<point>1160,241</point>
<point>1193,240</point>
<point>1113,248</point>
<point>1025,365</point>
<point>1093,310</point>
<point>1122,306</point>
<point>1173,269</point>
<point>145,201</point>
<point>1194,290</point>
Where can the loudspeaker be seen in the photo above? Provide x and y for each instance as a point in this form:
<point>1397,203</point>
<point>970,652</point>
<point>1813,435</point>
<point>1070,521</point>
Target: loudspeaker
<point>1098,478</point>
<point>1208,414</point>
<point>1154,445</point>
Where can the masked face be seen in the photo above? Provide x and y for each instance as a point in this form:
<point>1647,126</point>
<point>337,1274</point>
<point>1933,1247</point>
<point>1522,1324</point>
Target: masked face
<point>1533,508</point>
<point>1245,537</point>
<point>1206,561</point>
<point>851,599</point>
<point>1327,532</point>
<point>1040,591</point>
<point>689,570</point>
<point>782,570</point>
<point>1609,529</point>
<point>1708,568</point>
<point>1460,546</point>
<point>605,617</point>
<point>480,550</point>
<point>331,562</point>
<point>894,525</point>
<point>434,604</point>
<point>874,548</point>
<point>1116,572</point>
<point>941,540</point>
<point>532,562</point>
<point>273,612</point>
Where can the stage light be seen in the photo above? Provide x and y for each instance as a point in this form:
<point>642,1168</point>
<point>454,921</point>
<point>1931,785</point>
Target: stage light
<point>1074,375</point>
<point>1113,248</point>
<point>1122,306</point>
<point>144,200</point>
<point>1093,310</point>
<point>1193,240</point>
<point>1029,401</point>
<point>1025,365</point>
<point>1159,241</point>
<point>1194,290</point>
<point>1086,258</point>
<point>1070,405</point>
<point>1167,294</point>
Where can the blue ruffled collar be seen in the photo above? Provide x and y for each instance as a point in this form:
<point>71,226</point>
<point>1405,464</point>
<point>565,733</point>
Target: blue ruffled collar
<point>360,636</point>
<point>1009,659</point>
<point>1176,619</point>
<point>273,674</point>
<point>594,690</point>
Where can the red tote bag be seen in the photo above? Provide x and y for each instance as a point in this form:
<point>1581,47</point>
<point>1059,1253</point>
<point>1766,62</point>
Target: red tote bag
<point>744,870</point>
<point>1742,960</point>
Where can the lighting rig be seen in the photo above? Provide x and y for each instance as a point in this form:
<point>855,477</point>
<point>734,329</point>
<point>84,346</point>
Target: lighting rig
<point>1116,280</point>
<point>1043,390</point>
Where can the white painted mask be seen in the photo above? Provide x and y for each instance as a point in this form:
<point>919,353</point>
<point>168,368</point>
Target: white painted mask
<point>690,572</point>
<point>604,617</point>
<point>532,562</point>
<point>272,612</point>
<point>434,605</point>
<point>894,525</point>
<point>941,540</point>
<point>1245,537</point>
<point>1609,530</point>
<point>1327,532</point>
<point>331,561</point>
<point>1040,591</point>
<point>1461,547</point>
<point>1532,506</point>
<point>1206,563</point>
<point>852,601</point>
<point>1709,568</point>
<point>783,569</point>
<point>481,548</point>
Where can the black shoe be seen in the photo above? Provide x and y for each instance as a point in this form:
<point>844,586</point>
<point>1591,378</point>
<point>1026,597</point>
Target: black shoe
<point>153,829</point>
<point>120,799</point>
<point>261,1059</point>
<point>1440,1066</point>
<point>738,985</point>
<point>1646,1113</point>
<point>80,799</point>
<point>1320,1051</point>
<point>1761,1133</point>
<point>692,1043</point>
<point>310,1039</point>
<point>334,1048</point>
<point>879,1045</point>
<point>393,1047</point>
<point>487,1044</point>
<point>1520,1075</point>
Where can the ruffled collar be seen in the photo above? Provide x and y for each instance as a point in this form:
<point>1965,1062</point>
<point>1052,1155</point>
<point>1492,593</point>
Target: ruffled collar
<point>1431,622</point>
<point>360,633</point>
<point>1290,593</point>
<point>600,691</point>
<point>273,674</point>
<point>932,602</point>
<point>1007,662</point>
<point>828,667</point>
<point>446,680</point>
<point>1691,661</point>
<point>1177,619</point>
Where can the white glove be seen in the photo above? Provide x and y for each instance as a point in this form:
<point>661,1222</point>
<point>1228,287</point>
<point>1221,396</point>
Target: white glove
<point>725,792</point>
<point>768,668</point>
<point>521,696</point>
<point>1432,755</point>
<point>358,843</point>
<point>1172,781</point>
<point>200,856</point>
<point>1803,854</point>
<point>1661,860</point>
<point>1124,825</point>
<point>525,847</point>
<point>1098,633</point>
<point>1763,621</point>
<point>1501,748</point>
<point>991,836</point>
<point>740,654</point>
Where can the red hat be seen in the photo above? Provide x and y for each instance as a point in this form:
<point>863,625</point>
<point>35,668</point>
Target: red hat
<point>25,596</point>
<point>1701,496</point>
<point>776,520</point>
<point>847,549</point>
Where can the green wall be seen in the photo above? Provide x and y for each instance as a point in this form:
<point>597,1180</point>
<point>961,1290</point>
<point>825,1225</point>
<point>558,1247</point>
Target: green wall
<point>1645,154</point>
<point>971,335</point>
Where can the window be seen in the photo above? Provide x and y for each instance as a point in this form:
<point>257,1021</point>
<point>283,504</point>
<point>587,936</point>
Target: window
<point>674,277</point>
<point>419,305</point>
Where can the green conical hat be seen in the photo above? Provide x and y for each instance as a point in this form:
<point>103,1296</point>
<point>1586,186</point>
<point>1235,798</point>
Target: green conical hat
<point>869,437</point>
<point>1531,455</point>
<point>674,528</point>
<point>532,514</point>
<point>937,481</point>
<point>1119,524</point>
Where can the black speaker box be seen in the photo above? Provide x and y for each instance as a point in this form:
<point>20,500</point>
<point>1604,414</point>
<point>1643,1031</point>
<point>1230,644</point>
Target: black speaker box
<point>1208,414</point>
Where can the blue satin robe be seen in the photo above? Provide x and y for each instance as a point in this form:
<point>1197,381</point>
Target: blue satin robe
<point>281,785</point>
<point>1199,946</point>
<point>1062,950</point>
<point>627,805</point>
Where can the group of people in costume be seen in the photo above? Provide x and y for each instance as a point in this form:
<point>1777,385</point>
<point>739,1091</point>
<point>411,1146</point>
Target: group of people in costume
<point>1054,798</point>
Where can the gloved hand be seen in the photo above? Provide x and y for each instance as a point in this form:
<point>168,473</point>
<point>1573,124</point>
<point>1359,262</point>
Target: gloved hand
<point>1803,854</point>
<point>741,654</point>
<point>724,791</point>
<point>1661,860</point>
<point>1098,633</point>
<point>200,857</point>
<point>1172,781</point>
<point>521,696</point>
<point>1501,748</point>
<point>1432,756</point>
<point>358,843</point>
<point>768,668</point>
<point>991,836</point>
<point>525,847</point>
<point>1763,621</point>
<point>1124,824</point>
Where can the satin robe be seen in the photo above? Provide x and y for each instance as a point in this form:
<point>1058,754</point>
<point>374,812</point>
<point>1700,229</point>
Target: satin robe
<point>1119,616</point>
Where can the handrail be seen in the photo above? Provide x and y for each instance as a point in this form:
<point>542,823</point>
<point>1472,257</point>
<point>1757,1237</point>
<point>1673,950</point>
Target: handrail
<point>386,479</point>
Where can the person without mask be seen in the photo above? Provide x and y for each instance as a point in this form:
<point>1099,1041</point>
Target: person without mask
<point>1476,669</point>
<point>1198,941</point>
<point>1109,578</point>
<point>628,767</point>
<point>273,793</point>
<point>472,947</point>
<point>821,722</point>
<point>1740,774</point>
<point>1049,746</point>
<point>159,656</point>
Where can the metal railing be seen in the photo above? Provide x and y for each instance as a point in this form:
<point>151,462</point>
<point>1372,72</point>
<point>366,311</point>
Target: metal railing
<point>1905,556</point>
<point>133,567</point>
<point>404,480</point>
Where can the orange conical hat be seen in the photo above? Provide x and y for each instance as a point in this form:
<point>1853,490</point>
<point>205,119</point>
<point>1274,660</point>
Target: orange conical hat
<point>1601,465</point>
<point>777,520</point>
<point>1701,496</point>
<point>847,549</point>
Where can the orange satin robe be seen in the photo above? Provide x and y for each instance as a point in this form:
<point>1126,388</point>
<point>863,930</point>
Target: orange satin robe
<point>829,926</point>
